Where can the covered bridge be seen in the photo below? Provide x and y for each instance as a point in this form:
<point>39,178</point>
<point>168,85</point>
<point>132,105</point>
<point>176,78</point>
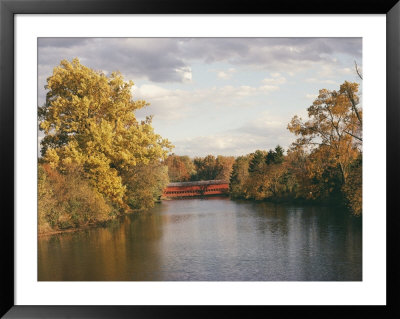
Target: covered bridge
<point>198,188</point>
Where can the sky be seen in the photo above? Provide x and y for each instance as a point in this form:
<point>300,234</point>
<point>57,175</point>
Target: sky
<point>219,96</point>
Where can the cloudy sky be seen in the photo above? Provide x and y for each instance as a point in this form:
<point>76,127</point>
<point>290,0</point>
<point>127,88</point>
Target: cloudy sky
<point>220,96</point>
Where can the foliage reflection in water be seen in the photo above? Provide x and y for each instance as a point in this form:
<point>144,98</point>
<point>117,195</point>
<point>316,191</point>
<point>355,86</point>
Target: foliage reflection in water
<point>211,240</point>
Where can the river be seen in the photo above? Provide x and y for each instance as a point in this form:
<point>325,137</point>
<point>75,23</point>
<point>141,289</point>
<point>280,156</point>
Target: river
<point>215,239</point>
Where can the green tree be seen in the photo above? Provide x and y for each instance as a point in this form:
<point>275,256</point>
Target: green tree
<point>206,168</point>
<point>276,156</point>
<point>257,159</point>
<point>239,175</point>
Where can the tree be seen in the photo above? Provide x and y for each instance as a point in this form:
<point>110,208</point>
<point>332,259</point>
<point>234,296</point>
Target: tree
<point>206,168</point>
<point>66,201</point>
<point>300,167</point>
<point>209,167</point>
<point>353,189</point>
<point>275,157</point>
<point>358,71</point>
<point>145,184</point>
<point>88,120</point>
<point>239,175</point>
<point>334,124</point>
<point>224,167</point>
<point>180,168</point>
<point>354,120</point>
<point>256,161</point>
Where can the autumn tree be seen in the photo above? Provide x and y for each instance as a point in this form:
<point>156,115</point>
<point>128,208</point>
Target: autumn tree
<point>88,120</point>
<point>353,121</point>
<point>254,184</point>
<point>353,187</point>
<point>332,140</point>
<point>145,184</point>
<point>224,166</point>
<point>318,177</point>
<point>278,181</point>
<point>298,162</point>
<point>68,201</point>
<point>268,176</point>
<point>239,175</point>
<point>335,124</point>
<point>180,168</point>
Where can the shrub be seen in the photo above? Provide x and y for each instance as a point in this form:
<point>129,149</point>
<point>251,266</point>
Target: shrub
<point>68,200</point>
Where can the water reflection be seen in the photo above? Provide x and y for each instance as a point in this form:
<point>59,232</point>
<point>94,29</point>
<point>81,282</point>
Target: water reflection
<point>214,239</point>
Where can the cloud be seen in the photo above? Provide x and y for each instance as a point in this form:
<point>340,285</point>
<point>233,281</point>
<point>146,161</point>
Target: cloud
<point>157,60</point>
<point>273,128</point>
<point>227,74</point>
<point>63,42</point>
<point>161,64</point>
<point>165,104</point>
<point>322,81</point>
<point>263,133</point>
<point>216,144</point>
<point>185,73</point>
<point>332,70</point>
<point>329,74</point>
<point>270,52</point>
<point>276,79</point>
<point>173,104</point>
<point>243,90</point>
<point>161,60</point>
<point>311,96</point>
<point>169,59</point>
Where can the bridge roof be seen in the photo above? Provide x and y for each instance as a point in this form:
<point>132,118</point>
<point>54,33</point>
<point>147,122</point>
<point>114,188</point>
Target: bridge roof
<point>198,183</point>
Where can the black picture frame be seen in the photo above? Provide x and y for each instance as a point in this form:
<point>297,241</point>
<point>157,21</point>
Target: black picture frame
<point>8,9</point>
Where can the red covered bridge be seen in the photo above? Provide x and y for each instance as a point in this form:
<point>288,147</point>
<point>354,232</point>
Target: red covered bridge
<point>198,188</point>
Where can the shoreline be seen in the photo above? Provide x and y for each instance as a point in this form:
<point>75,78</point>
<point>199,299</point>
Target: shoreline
<point>85,227</point>
<point>69,230</point>
<point>281,202</point>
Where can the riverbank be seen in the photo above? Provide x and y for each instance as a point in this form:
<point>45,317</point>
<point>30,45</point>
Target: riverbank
<point>279,201</point>
<point>79,228</point>
<point>99,224</point>
<point>196,196</point>
<point>69,230</point>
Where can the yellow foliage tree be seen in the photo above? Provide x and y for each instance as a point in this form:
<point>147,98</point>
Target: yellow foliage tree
<point>333,135</point>
<point>88,120</point>
<point>334,123</point>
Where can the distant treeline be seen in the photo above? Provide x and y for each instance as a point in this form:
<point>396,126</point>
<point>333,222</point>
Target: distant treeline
<point>184,169</point>
<point>296,176</point>
<point>324,164</point>
<point>276,176</point>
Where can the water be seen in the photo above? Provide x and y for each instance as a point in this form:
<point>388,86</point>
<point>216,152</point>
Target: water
<point>211,240</point>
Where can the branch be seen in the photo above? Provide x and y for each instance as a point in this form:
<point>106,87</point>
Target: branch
<point>358,138</point>
<point>357,70</point>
